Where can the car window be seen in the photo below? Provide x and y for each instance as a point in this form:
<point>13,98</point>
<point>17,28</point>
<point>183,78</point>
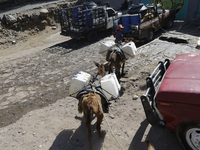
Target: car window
<point>110,12</point>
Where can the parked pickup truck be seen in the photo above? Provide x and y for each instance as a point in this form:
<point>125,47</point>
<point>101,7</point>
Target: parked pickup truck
<point>142,21</point>
<point>83,22</point>
<point>172,99</point>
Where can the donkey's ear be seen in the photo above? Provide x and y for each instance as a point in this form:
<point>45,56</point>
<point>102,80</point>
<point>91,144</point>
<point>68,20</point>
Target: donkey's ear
<point>97,64</point>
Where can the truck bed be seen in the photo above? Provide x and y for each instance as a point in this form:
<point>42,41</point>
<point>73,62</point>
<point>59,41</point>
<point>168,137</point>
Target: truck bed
<point>79,20</point>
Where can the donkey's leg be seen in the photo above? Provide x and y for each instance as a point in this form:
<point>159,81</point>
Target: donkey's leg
<point>99,121</point>
<point>111,68</point>
<point>87,119</point>
<point>123,68</point>
<point>117,70</point>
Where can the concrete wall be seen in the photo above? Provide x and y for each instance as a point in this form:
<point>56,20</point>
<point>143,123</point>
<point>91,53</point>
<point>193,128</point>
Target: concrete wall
<point>192,10</point>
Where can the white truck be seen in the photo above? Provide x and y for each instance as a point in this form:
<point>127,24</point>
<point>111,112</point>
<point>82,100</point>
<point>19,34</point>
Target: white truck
<point>85,22</point>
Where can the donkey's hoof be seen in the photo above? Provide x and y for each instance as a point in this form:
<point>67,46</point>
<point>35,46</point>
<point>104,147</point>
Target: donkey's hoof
<point>102,134</point>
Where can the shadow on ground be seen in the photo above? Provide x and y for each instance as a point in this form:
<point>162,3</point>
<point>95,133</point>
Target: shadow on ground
<point>161,138</point>
<point>74,44</point>
<point>76,139</point>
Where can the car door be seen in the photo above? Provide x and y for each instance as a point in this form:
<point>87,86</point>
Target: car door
<point>110,17</point>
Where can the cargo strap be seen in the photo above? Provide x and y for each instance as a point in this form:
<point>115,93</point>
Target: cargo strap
<point>123,52</point>
<point>89,89</point>
<point>107,120</point>
<point>118,50</point>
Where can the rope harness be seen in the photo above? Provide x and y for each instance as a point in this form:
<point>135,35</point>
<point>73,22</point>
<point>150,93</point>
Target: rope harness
<point>107,120</point>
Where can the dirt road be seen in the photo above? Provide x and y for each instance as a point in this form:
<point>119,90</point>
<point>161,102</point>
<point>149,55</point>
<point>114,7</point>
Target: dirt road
<point>37,112</point>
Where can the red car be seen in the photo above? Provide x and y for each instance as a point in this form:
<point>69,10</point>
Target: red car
<point>172,99</point>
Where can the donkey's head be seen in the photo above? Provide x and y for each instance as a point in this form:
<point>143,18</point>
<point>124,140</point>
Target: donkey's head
<point>101,68</point>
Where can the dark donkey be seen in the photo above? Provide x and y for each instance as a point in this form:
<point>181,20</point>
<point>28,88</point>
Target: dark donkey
<point>116,58</point>
<point>92,101</point>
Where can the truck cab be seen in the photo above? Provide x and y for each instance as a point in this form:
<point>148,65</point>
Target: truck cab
<point>112,15</point>
<point>142,21</point>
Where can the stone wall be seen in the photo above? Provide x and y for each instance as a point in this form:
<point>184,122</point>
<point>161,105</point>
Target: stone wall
<point>34,19</point>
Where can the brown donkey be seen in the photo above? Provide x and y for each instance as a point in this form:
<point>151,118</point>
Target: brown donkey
<point>92,104</point>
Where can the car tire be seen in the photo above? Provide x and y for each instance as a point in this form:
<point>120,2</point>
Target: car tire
<point>170,23</point>
<point>150,36</point>
<point>92,36</point>
<point>190,136</point>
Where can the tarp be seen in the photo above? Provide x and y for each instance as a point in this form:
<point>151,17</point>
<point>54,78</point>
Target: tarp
<point>137,9</point>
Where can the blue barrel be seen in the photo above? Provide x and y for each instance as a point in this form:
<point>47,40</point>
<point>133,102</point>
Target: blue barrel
<point>76,14</point>
<point>88,18</point>
<point>126,23</point>
<point>135,19</point>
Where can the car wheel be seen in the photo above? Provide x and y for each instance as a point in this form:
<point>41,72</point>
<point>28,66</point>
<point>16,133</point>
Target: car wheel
<point>92,36</point>
<point>170,23</point>
<point>150,36</point>
<point>190,137</point>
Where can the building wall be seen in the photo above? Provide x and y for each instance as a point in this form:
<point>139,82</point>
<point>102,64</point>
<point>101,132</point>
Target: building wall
<point>181,15</point>
<point>191,10</point>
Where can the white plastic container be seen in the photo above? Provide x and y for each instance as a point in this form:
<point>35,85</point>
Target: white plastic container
<point>116,80</point>
<point>110,86</point>
<point>78,82</point>
<point>105,46</point>
<point>129,49</point>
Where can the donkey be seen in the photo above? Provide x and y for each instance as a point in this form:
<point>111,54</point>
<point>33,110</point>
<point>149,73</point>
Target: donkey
<point>90,106</point>
<point>117,60</point>
<point>91,103</point>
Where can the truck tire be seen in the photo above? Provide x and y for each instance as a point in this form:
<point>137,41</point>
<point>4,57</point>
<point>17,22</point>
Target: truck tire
<point>190,136</point>
<point>92,36</point>
<point>150,35</point>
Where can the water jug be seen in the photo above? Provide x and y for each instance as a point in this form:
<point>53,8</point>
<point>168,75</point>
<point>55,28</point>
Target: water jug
<point>105,46</point>
<point>78,82</point>
<point>110,86</point>
<point>129,49</point>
